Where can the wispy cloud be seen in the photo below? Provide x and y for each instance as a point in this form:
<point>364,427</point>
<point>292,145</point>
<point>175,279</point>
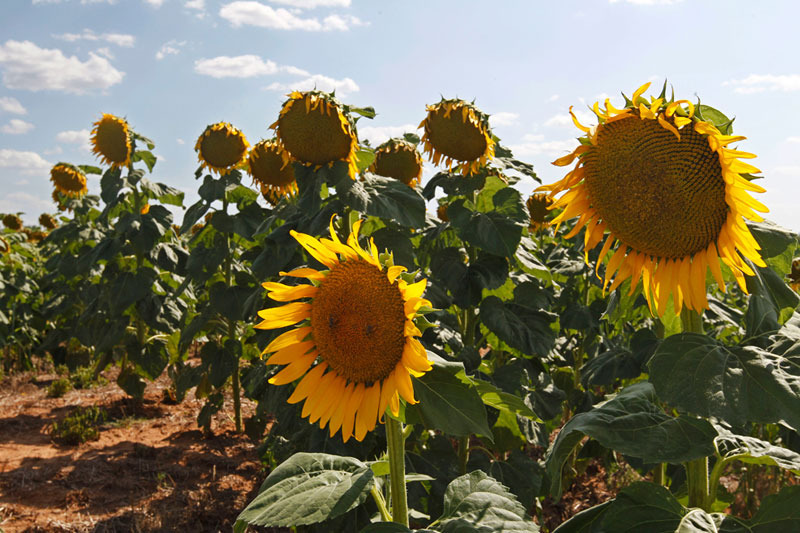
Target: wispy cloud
<point>587,118</point>
<point>310,4</point>
<point>16,126</point>
<point>77,137</point>
<point>172,47</point>
<point>793,139</point>
<point>320,82</point>
<point>24,202</point>
<point>26,66</point>
<point>155,3</point>
<point>759,83</point>
<point>537,145</point>
<point>12,105</point>
<point>252,13</point>
<point>378,134</point>
<point>198,6</point>
<point>119,39</point>
<point>646,2</point>
<point>504,118</point>
<point>23,161</point>
<point>244,66</point>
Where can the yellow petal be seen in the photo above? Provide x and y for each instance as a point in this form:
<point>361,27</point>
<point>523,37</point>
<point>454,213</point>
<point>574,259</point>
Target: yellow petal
<point>316,249</point>
<point>290,353</point>
<point>309,273</point>
<point>286,293</point>
<point>285,315</point>
<point>367,414</point>
<point>296,369</point>
<point>287,338</point>
<point>310,381</point>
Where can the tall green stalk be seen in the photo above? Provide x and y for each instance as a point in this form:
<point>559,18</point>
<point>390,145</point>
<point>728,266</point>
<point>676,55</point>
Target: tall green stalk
<point>696,470</point>
<point>237,401</point>
<point>395,441</point>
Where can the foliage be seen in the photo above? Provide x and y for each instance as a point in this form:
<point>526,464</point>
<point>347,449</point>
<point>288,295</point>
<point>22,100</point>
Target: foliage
<point>79,426</point>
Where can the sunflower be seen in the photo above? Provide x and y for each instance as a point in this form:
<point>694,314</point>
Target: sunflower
<point>4,246</point>
<point>400,160</point>
<point>221,148</point>
<point>356,325</point>
<point>664,186</point>
<point>456,131</point>
<point>794,276</point>
<point>68,180</point>
<point>538,205</point>
<point>35,236</point>
<point>315,129</point>
<point>48,221</point>
<point>111,141</point>
<point>12,222</point>
<point>269,166</point>
<point>441,213</point>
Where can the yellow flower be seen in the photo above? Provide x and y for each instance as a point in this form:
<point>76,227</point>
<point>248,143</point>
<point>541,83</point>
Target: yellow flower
<point>4,246</point>
<point>356,324</point>
<point>221,148</point>
<point>794,276</point>
<point>270,167</point>
<point>665,186</point>
<point>315,130</point>
<point>12,222</point>
<point>68,180</point>
<point>538,205</point>
<point>400,160</point>
<point>456,131</point>
<point>145,209</point>
<point>111,141</point>
<point>441,213</point>
<point>58,201</point>
<point>48,221</point>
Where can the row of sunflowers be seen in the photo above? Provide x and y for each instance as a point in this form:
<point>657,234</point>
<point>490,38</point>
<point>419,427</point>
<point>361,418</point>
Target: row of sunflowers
<point>499,353</point>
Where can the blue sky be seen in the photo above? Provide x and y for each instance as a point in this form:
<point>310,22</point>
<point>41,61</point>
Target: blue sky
<point>174,66</point>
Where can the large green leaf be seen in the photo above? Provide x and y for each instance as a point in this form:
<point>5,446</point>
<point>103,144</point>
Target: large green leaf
<point>587,521</point>
<point>643,507</point>
<point>477,503</point>
<point>771,302</point>
<point>736,384</point>
<point>778,513</point>
<point>447,402</point>
<point>634,424</point>
<point>512,403</point>
<point>525,329</point>
<point>499,230</point>
<point>386,198</point>
<point>163,193</point>
<point>755,451</point>
<point>308,488</point>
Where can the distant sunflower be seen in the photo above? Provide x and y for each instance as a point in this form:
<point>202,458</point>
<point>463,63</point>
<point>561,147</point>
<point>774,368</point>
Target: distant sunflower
<point>111,141</point>
<point>270,167</point>
<point>400,160</point>
<point>357,325</point>
<point>12,222</point>
<point>221,148</point>
<point>666,188</point>
<point>36,236</point>
<point>4,246</point>
<point>441,213</point>
<point>538,205</point>
<point>48,221</point>
<point>68,180</point>
<point>314,128</point>
<point>794,276</point>
<point>456,131</point>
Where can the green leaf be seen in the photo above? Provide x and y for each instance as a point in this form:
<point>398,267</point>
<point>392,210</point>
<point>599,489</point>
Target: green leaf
<point>131,383</point>
<point>90,169</point>
<point>587,521</point>
<point>643,506</point>
<point>497,231</point>
<point>146,156</point>
<point>525,329</point>
<point>309,488</point>
<point>193,214</point>
<point>755,451</point>
<point>387,527</point>
<point>494,397</point>
<point>715,117</point>
<point>163,193</point>
<point>386,198</point>
<point>150,359</point>
<point>778,512</point>
<point>447,403</point>
<point>736,384</point>
<point>130,287</point>
<point>110,185</point>
<point>476,503</point>
<point>145,140</point>
<point>769,296</point>
<point>697,521</point>
<point>634,424</point>
<point>772,238</point>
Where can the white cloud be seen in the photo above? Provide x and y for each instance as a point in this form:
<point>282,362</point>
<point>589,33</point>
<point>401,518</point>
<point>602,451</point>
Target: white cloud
<point>246,66</point>
<point>24,162</point>
<point>793,139</point>
<point>536,145</point>
<point>79,137</point>
<point>198,5</point>
<point>155,3</point>
<point>647,2</point>
<point>759,83</point>
<point>12,105</point>
<point>553,98</point>
<point>98,1</point>
<point>378,134</point>
<point>24,202</point>
<point>310,4</point>
<point>17,127</point>
<point>105,52</point>
<point>587,118</point>
<point>180,141</point>
<point>788,170</point>
<point>504,118</point>
<point>252,13</point>
<point>119,39</point>
<point>170,48</point>
<point>26,66</point>
<point>319,82</point>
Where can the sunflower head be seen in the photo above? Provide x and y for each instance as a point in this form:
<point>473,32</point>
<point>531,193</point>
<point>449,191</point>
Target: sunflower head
<point>457,131</point>
<point>661,184</point>
<point>68,180</point>
<point>538,209</point>
<point>400,160</point>
<point>441,212</point>
<point>35,236</point>
<point>270,167</point>
<point>316,130</point>
<point>354,338</point>
<point>12,222</point>
<point>111,141</point>
<point>4,246</point>
<point>221,148</point>
<point>794,275</point>
<point>48,221</point>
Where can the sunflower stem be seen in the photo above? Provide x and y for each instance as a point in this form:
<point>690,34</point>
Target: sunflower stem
<point>696,470</point>
<point>463,454</point>
<point>395,442</point>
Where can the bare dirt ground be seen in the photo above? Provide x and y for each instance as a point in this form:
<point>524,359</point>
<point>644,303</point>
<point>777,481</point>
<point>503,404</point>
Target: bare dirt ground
<point>152,468</point>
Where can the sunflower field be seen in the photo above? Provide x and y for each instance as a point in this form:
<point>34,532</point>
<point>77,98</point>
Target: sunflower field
<point>444,354</point>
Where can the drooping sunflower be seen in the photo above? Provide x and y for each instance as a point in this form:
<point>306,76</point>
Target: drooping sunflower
<point>441,213</point>
<point>221,148</point>
<point>36,236</point>
<point>538,205</point>
<point>68,180</point>
<point>315,129</point>
<point>354,344</point>
<point>664,186</point>
<point>457,131</point>
<point>48,221</point>
<point>4,246</point>
<point>12,222</point>
<point>270,167</point>
<point>111,141</point>
<point>400,160</point>
<point>794,275</point>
